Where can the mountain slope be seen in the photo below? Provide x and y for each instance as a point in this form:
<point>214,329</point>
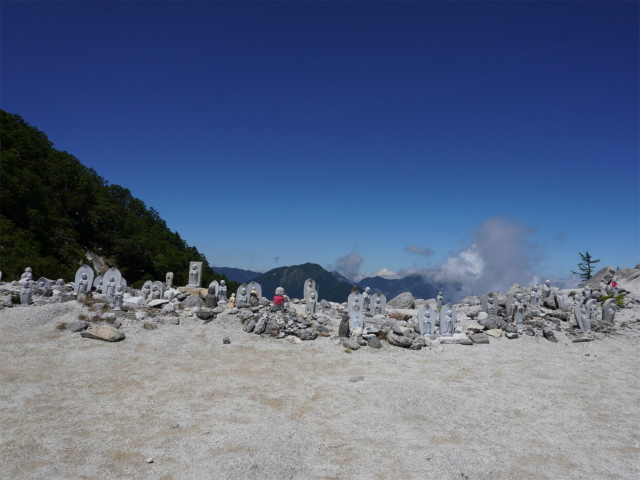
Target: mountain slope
<point>237,274</point>
<point>53,209</point>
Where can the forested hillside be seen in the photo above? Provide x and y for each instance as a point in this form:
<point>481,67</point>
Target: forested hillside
<point>53,209</point>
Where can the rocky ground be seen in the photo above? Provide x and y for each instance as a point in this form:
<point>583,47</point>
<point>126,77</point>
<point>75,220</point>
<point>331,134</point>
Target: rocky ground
<point>189,393</point>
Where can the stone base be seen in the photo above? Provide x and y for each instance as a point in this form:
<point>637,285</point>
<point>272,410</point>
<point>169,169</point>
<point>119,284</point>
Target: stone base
<point>193,290</point>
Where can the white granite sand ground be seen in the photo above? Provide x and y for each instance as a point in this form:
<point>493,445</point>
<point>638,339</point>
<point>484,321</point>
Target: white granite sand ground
<point>260,408</point>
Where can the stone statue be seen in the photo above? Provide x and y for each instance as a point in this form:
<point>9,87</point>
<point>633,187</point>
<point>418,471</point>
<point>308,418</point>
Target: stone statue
<point>278,299</point>
<point>242,297</point>
<point>587,292</point>
<point>609,310</point>
<point>222,292</point>
<point>113,279</point>
<point>439,300</point>
<point>427,321</point>
<point>366,297</point>
<point>612,288</point>
<point>255,287</point>
<point>155,291</point>
<point>123,282</point>
<point>120,297</point>
<point>518,312</point>
<point>312,301</point>
<point>559,298</point>
<point>60,282</point>
<point>309,284</point>
<point>25,293</point>
<point>195,274</point>
<point>378,304</point>
<point>576,299</point>
<point>510,301</point>
<point>546,290</point>
<point>111,286</point>
<point>211,300</point>
<point>84,279</point>
<point>232,301</point>
<point>44,283</point>
<point>356,319</point>
<point>169,280</point>
<point>146,289</point>
<point>489,303</point>
<point>448,316</point>
<point>535,296</point>
<point>27,275</point>
<point>580,312</point>
<point>97,283</point>
<point>592,311</point>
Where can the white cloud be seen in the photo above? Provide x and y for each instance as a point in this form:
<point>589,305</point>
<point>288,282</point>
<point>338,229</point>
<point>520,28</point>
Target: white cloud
<point>425,251</point>
<point>349,265</point>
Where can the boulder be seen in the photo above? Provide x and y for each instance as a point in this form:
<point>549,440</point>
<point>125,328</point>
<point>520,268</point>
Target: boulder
<point>77,326</point>
<point>351,344</point>
<point>205,314</point>
<point>272,327</point>
<point>399,315</point>
<point>404,300</point>
<point>192,301</point>
<point>495,333</point>
<point>479,338</point>
<point>104,332</point>
<point>374,342</point>
<point>493,322</point>
<point>605,275</point>
<point>399,341</point>
<point>307,334</point>
<point>161,301</point>
<point>548,334</point>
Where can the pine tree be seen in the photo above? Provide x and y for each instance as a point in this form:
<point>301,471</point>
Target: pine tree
<point>585,266</point>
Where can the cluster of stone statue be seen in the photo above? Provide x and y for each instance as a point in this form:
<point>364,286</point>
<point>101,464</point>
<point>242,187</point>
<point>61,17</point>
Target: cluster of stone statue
<point>585,307</point>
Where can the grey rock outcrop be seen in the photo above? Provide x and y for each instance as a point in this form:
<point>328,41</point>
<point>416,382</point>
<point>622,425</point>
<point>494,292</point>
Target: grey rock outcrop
<point>404,300</point>
<point>104,332</point>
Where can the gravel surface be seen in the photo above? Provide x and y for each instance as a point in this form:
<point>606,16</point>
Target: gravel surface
<point>261,408</point>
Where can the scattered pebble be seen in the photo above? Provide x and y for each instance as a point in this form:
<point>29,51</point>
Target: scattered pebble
<point>149,460</point>
<point>175,425</point>
<point>226,340</point>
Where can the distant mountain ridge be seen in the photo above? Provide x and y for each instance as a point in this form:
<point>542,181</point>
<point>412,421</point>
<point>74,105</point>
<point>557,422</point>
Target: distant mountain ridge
<point>237,274</point>
<point>292,280</point>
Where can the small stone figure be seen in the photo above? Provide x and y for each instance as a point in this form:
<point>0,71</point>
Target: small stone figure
<point>25,293</point>
<point>159,287</point>
<point>232,301</point>
<point>309,284</point>
<point>448,316</point>
<point>366,297</point>
<point>587,293</point>
<point>582,319</point>
<point>97,283</point>
<point>211,300</point>
<point>146,289</point>
<point>254,287</point>
<point>169,280</point>
<point>44,283</point>
<point>278,299</point>
<point>427,321</point>
<point>546,290</point>
<point>355,302</point>
<point>222,292</point>
<point>254,300</point>
<point>576,299</point>
<point>592,311</point>
<point>119,297</point>
<point>518,312</point>
<point>489,304</point>
<point>378,304</point>
<point>242,298</point>
<point>312,301</point>
<point>195,274</point>
<point>439,300</point>
<point>27,275</point>
<point>84,279</point>
<point>60,283</point>
<point>113,278</point>
<point>612,288</point>
<point>609,310</point>
<point>155,292</point>
<point>111,286</point>
<point>559,298</point>
<point>535,296</point>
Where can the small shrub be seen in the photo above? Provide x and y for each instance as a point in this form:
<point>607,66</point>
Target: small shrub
<point>61,326</point>
<point>15,299</point>
<point>619,299</point>
<point>149,326</point>
<point>346,350</point>
<point>82,316</point>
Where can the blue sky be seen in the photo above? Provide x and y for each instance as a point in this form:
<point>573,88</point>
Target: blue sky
<point>358,135</point>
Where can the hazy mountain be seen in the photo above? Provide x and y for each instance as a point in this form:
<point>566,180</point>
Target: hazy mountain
<point>237,274</point>
<point>292,280</point>
<point>341,278</point>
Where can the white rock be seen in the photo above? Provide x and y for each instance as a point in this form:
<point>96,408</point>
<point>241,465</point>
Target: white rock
<point>141,315</point>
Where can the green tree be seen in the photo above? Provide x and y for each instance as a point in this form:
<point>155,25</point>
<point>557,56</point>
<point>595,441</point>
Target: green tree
<point>585,266</point>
